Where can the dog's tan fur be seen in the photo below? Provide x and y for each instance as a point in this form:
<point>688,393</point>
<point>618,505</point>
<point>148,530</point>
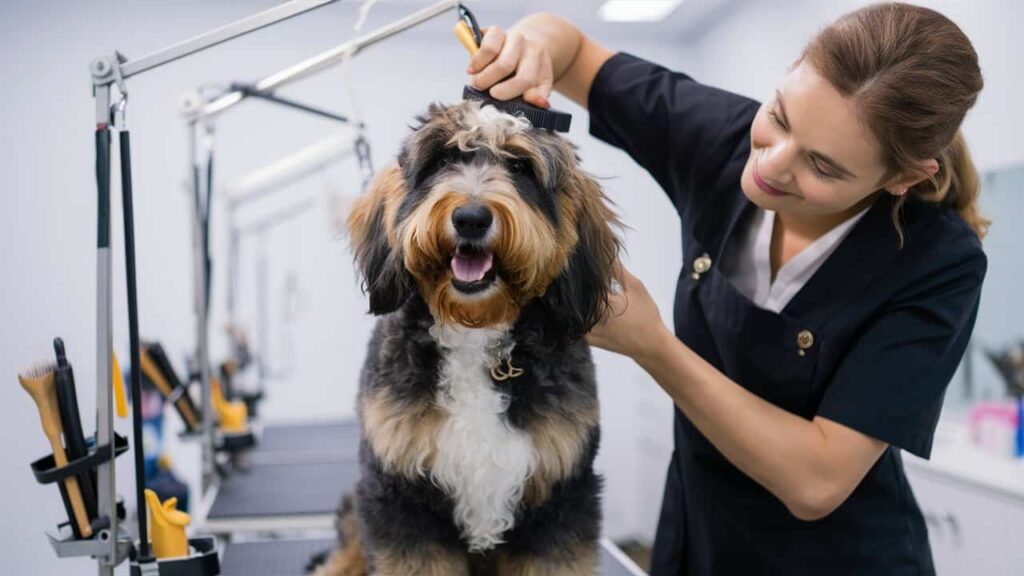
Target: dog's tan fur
<point>403,436</point>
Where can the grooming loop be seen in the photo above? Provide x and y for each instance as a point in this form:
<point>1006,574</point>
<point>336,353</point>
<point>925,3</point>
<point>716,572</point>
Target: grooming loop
<point>501,374</point>
<point>503,355</point>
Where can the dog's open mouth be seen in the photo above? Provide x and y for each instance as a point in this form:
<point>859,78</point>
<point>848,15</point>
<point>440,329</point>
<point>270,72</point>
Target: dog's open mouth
<point>472,269</point>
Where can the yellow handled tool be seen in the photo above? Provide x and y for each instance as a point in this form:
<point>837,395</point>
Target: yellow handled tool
<point>152,371</point>
<point>468,32</point>
<point>466,37</point>
<point>233,416</point>
<point>120,402</point>
<point>167,527</point>
<point>38,382</point>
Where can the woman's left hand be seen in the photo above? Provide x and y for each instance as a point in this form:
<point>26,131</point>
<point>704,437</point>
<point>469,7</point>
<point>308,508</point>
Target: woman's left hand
<point>633,324</point>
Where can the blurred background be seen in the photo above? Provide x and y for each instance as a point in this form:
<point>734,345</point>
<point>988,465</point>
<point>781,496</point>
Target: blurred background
<point>297,274</point>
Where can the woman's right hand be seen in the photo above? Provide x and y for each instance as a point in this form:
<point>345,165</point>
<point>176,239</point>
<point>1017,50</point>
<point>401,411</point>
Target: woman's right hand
<point>511,64</point>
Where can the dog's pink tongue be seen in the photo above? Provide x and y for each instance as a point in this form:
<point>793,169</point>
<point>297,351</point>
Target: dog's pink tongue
<point>471,268</point>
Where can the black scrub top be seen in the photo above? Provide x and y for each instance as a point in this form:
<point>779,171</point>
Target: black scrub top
<point>871,341</point>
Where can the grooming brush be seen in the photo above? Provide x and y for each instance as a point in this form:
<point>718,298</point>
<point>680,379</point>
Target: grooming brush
<point>468,33</point>
<point>74,439</point>
<point>157,368</point>
<point>38,381</point>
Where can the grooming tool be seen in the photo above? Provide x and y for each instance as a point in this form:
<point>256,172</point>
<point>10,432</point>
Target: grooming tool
<point>167,526</point>
<point>232,415</point>
<point>157,368</point>
<point>120,402</point>
<point>74,438</point>
<point>468,32</point>
<point>38,381</point>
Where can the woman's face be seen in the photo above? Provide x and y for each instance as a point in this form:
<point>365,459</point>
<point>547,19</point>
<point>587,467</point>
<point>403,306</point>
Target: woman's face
<point>811,159</point>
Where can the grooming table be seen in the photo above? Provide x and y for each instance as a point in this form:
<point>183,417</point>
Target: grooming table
<point>280,497</point>
<point>328,441</point>
<point>289,558</point>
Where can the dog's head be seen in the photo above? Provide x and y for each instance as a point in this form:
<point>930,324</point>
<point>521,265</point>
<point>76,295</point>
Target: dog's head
<point>481,215</point>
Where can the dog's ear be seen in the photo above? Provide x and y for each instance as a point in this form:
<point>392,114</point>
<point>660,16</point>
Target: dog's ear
<point>371,233</point>
<point>425,149</point>
<point>578,298</point>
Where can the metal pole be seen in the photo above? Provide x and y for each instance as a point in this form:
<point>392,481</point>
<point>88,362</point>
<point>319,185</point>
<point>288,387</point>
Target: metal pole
<point>332,56</point>
<point>220,35</point>
<point>200,308</point>
<point>106,490</point>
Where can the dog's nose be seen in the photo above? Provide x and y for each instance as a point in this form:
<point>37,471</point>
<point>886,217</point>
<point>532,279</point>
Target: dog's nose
<point>472,222</point>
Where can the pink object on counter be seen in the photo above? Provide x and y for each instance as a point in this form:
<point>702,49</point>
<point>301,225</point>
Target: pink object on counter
<point>993,427</point>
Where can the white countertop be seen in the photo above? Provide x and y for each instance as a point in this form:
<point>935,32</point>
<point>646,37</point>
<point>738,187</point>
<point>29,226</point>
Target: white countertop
<point>954,455</point>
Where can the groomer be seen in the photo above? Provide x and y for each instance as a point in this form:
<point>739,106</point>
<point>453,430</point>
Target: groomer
<point>830,280</point>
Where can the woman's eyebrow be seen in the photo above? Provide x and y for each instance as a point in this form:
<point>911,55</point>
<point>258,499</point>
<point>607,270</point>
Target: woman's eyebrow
<point>822,157</point>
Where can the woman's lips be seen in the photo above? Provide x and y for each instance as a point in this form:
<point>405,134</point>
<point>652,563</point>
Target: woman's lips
<point>764,186</point>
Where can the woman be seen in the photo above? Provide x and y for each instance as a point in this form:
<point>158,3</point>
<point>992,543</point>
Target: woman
<point>831,276</point>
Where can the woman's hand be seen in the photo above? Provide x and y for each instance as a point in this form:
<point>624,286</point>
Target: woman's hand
<point>512,64</point>
<point>633,325</point>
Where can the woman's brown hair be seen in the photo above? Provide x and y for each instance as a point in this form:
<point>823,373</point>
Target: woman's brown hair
<point>913,74</point>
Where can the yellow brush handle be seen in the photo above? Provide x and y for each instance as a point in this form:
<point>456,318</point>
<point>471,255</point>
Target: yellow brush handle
<point>42,390</point>
<point>465,36</point>
<point>120,402</point>
<point>150,369</point>
<point>232,415</point>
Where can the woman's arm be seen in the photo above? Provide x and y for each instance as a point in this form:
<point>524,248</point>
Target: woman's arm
<point>811,466</point>
<point>543,51</point>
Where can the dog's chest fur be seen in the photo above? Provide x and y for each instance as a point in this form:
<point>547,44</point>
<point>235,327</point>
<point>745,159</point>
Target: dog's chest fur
<point>482,461</point>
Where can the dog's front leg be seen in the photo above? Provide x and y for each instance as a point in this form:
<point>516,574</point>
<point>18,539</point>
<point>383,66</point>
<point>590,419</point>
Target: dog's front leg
<point>427,560</point>
<point>579,560</point>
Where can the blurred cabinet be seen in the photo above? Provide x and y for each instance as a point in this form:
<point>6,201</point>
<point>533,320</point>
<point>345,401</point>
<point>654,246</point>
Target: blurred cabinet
<point>973,504</point>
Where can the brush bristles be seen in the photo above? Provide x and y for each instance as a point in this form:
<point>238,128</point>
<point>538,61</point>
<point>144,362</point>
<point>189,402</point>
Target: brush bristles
<point>36,370</point>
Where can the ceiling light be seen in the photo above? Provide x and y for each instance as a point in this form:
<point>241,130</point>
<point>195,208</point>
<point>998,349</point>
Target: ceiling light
<point>637,10</point>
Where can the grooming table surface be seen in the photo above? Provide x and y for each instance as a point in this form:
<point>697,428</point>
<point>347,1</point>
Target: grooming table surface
<point>289,558</point>
<point>285,496</point>
<point>313,442</point>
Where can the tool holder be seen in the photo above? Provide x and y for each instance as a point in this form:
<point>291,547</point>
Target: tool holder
<point>46,472</point>
<point>234,442</point>
<point>201,561</point>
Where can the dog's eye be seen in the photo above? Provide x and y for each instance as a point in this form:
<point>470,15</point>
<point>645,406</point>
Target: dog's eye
<point>518,166</point>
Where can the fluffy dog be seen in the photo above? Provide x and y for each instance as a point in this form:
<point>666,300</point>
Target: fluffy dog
<point>488,253</point>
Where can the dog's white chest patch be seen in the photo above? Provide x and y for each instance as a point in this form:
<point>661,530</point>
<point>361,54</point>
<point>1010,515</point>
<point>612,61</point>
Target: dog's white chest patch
<point>482,461</point>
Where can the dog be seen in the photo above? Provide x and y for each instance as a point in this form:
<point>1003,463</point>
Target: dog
<point>488,254</point>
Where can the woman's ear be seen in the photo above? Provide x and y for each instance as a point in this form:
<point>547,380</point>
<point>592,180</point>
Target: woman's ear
<point>371,234</point>
<point>904,182</point>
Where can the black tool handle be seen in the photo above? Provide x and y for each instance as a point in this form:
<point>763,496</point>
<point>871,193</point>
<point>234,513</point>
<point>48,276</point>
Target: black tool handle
<point>74,438</point>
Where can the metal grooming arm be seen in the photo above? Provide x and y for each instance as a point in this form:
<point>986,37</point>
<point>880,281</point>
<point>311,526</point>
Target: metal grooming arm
<point>291,168</point>
<point>259,183</point>
<point>111,547</point>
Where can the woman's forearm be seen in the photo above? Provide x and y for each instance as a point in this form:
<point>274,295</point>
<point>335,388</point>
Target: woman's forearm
<point>795,459</point>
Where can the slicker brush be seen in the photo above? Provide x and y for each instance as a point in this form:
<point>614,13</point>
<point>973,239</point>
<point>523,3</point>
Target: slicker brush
<point>38,381</point>
<point>468,32</point>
